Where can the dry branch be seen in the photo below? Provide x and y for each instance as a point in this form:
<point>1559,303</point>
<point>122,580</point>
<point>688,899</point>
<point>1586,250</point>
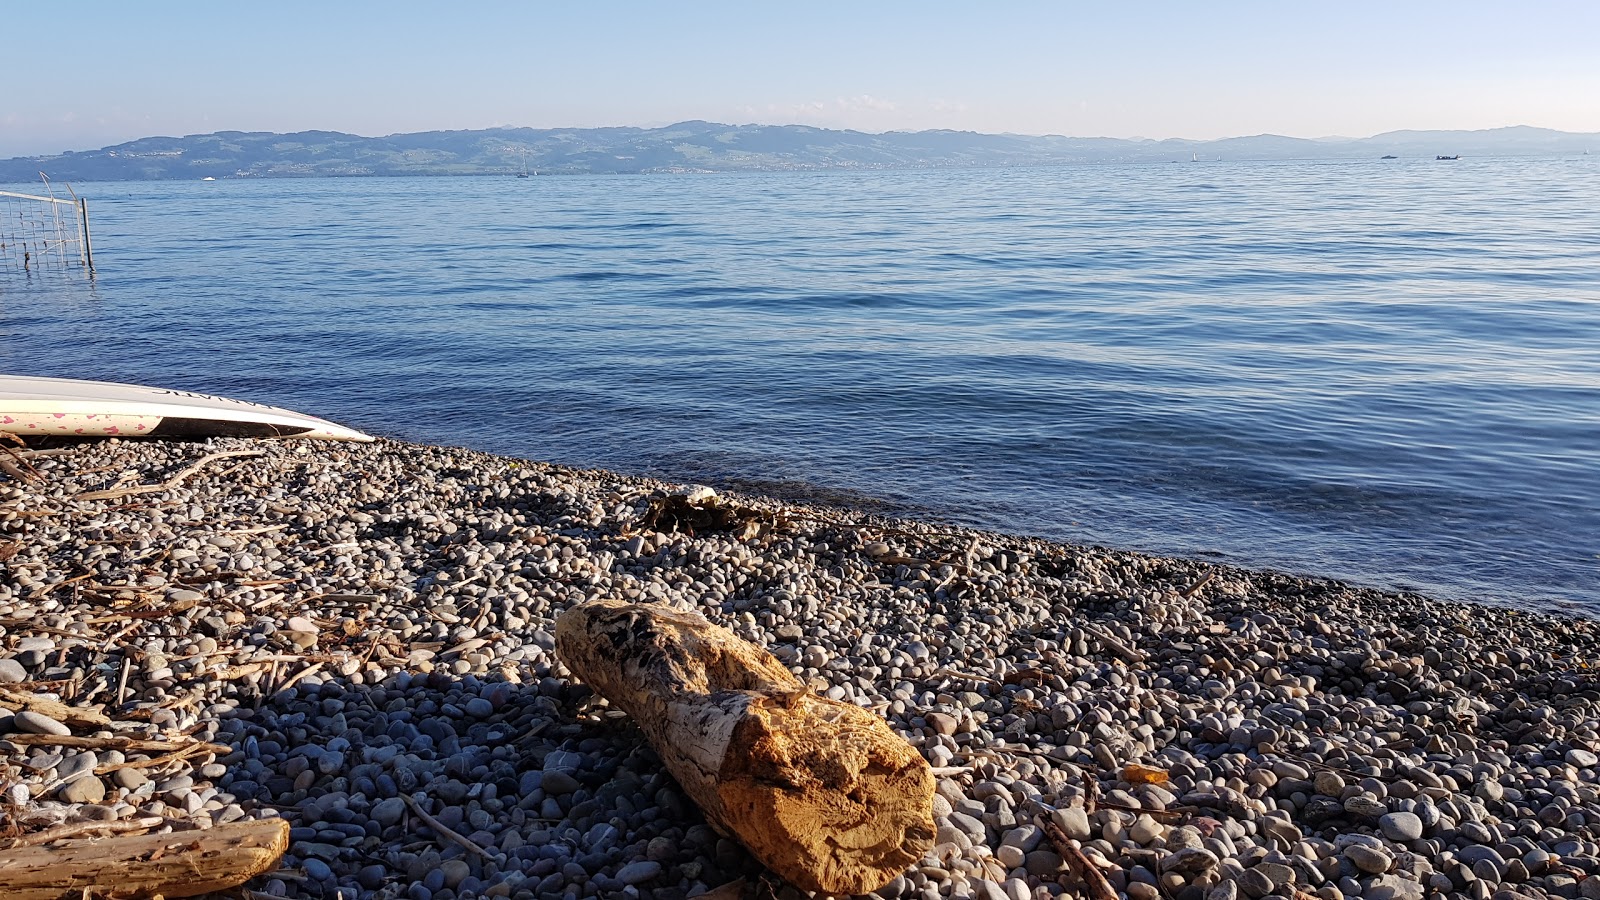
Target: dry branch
<point>114,743</point>
<point>79,829</point>
<point>170,483</point>
<point>443,830</point>
<point>181,864</point>
<point>822,792</point>
<point>84,717</point>
<point>1087,872</point>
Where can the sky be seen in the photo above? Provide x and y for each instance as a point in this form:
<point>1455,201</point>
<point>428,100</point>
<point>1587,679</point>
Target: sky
<point>82,75</point>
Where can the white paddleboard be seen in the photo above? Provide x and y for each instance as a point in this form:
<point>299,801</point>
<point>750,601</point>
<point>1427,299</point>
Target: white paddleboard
<point>69,407</point>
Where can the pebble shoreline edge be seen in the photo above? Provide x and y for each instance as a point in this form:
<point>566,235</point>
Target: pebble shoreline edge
<point>369,629</point>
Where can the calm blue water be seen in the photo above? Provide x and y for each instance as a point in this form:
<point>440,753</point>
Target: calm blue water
<point>1385,372</point>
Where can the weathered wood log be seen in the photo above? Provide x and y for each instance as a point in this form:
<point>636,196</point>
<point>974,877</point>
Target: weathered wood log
<point>180,864</point>
<point>821,792</point>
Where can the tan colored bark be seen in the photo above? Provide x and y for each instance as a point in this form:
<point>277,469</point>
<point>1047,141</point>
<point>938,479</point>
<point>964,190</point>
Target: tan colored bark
<point>83,717</point>
<point>821,792</point>
<point>180,864</point>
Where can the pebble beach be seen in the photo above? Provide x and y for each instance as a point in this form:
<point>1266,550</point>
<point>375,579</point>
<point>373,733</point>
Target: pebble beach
<point>359,639</point>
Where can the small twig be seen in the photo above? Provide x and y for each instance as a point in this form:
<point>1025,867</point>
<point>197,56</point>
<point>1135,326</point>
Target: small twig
<point>108,743</point>
<point>1193,589</point>
<point>1087,872</point>
<point>42,454</point>
<point>1115,646</point>
<point>111,641</point>
<point>79,829</point>
<point>22,470</point>
<point>295,679</point>
<point>981,679</point>
<point>63,583</point>
<point>1091,794</point>
<point>170,483</point>
<point>180,755</point>
<point>441,829</point>
<point>122,681</point>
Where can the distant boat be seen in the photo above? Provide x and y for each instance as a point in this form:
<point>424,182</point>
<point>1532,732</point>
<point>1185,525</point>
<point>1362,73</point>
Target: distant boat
<point>524,172</point>
<point>1391,156</point>
<point>208,178</point>
<point>1457,156</point>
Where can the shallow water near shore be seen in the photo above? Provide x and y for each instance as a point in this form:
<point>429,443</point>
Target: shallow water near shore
<point>1387,372</point>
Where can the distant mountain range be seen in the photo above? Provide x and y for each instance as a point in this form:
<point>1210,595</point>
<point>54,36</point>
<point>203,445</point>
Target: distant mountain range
<point>710,147</point>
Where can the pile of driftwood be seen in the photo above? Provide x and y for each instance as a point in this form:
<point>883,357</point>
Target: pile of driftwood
<point>130,857</point>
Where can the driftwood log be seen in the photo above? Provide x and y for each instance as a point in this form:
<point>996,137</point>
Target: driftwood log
<point>821,792</point>
<point>180,864</point>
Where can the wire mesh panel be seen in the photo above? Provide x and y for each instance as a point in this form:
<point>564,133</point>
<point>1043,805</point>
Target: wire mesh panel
<point>38,233</point>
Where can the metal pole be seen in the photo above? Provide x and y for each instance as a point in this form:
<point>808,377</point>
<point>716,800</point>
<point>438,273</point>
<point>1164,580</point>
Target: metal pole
<point>83,216</point>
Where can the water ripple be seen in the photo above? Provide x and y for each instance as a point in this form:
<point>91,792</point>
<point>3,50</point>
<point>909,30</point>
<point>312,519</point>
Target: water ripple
<point>1387,373</point>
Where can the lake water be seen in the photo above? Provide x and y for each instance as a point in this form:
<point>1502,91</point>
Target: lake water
<point>1387,372</point>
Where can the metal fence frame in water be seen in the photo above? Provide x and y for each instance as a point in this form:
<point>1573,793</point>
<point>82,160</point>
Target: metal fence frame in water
<point>39,232</point>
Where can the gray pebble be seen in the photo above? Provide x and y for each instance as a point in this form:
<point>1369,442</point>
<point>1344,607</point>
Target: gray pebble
<point>1368,859</point>
<point>639,872</point>
<point>1401,826</point>
<point>85,789</point>
<point>31,722</point>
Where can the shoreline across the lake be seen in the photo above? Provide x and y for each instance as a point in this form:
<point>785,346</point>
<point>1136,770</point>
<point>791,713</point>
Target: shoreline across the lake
<point>366,630</point>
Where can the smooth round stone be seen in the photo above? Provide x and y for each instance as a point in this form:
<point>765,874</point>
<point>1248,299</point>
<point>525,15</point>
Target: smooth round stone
<point>82,764</point>
<point>1475,852</point>
<point>129,779</point>
<point>1280,875</point>
<point>639,872</point>
<point>1368,859</point>
<point>1138,890</point>
<point>1227,889</point>
<point>316,869</point>
<point>455,871</point>
<point>1010,856</point>
<point>34,723</point>
<point>301,623</point>
<point>1365,806</point>
<point>1073,820</point>
<point>1401,826</point>
<point>1581,758</point>
<point>558,782</point>
<point>1026,837</point>
<point>1329,784</point>
<point>1043,863</point>
<point>1190,861</point>
<point>479,708</point>
<point>87,789</point>
<point>372,877</point>
<point>12,672</point>
<point>1255,884</point>
<point>388,812</point>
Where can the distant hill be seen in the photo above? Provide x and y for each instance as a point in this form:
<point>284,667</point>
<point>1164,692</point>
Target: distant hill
<point>710,147</point>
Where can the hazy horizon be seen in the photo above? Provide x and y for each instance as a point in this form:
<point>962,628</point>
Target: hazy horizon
<point>116,73</point>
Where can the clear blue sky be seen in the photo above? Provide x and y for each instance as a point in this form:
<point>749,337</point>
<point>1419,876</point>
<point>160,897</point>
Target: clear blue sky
<point>80,75</point>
